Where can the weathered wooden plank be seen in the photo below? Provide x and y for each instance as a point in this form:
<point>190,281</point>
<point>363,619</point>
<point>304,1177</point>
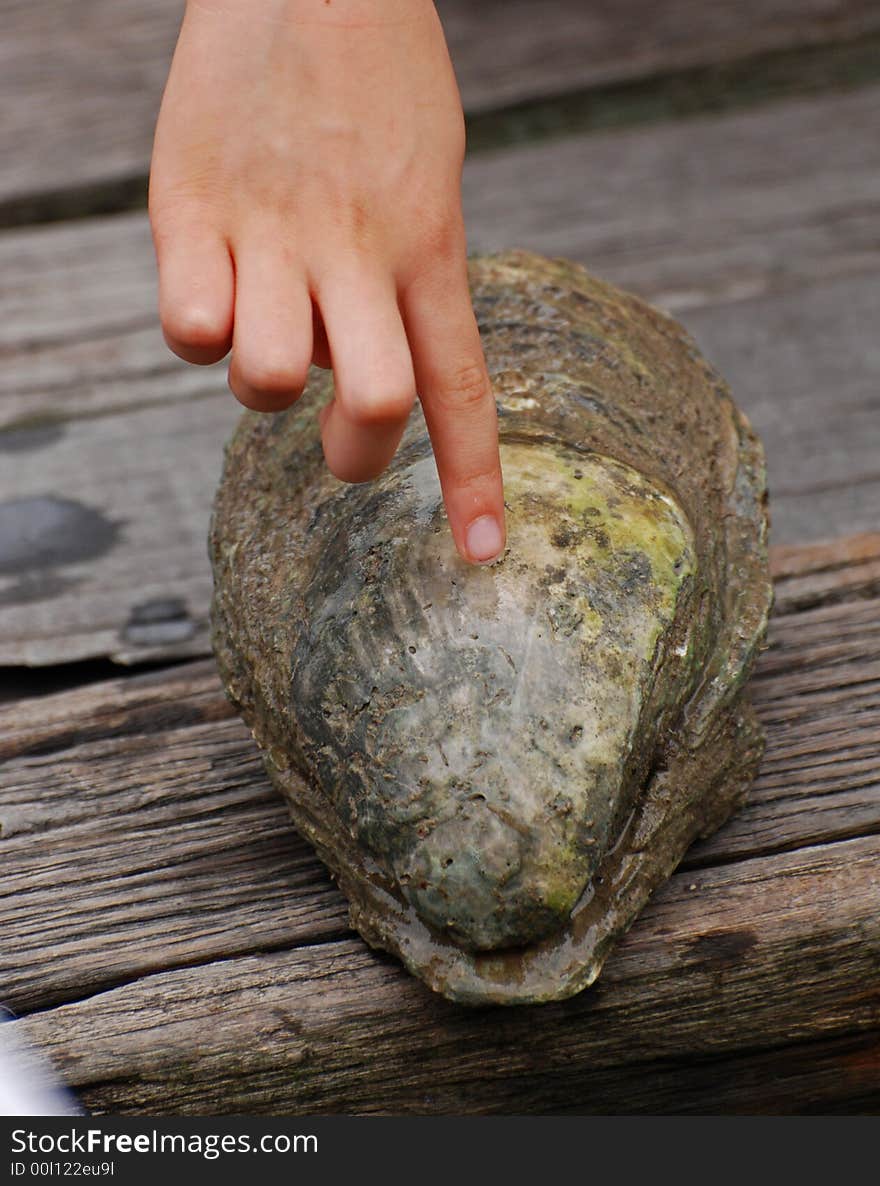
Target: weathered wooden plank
<point>80,96</point>
<point>88,123</point>
<point>507,51</point>
<point>772,952</point>
<point>697,212</point>
<point>151,850</point>
<point>103,530</point>
<point>97,413</point>
<point>836,570</point>
<point>149,702</point>
<point>138,832</point>
<point>813,1078</point>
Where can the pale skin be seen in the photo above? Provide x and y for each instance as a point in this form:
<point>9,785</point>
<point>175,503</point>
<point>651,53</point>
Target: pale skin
<point>305,200</point>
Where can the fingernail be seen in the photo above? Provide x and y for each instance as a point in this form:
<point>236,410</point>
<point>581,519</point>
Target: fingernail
<point>483,539</point>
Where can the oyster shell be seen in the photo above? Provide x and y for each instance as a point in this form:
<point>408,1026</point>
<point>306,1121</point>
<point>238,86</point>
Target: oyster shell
<point>500,764</point>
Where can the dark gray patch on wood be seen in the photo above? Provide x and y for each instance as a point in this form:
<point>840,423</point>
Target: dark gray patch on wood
<point>162,620</point>
<point>39,585</point>
<point>27,438</point>
<point>724,947</point>
<point>47,531</point>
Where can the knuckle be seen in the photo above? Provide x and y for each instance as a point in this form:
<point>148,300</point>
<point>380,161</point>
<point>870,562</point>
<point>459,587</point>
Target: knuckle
<point>445,238</point>
<point>441,244</point>
<point>274,376</point>
<point>466,387</point>
<point>434,252</point>
<point>372,408</point>
<point>480,479</point>
<point>194,326</point>
<point>195,335</point>
<point>176,203</point>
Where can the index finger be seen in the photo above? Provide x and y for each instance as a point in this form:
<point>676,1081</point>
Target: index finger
<point>456,395</point>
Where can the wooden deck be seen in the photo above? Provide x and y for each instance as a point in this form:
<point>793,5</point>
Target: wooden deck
<point>175,946</point>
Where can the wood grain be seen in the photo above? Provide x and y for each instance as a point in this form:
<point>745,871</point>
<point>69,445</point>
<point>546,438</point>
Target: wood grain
<point>835,570</point>
<point>700,212</point>
<point>756,229</point>
<point>80,97</point>
<point>507,51</point>
<point>766,953</point>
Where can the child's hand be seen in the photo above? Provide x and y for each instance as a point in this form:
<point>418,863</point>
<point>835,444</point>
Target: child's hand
<point>305,204</point>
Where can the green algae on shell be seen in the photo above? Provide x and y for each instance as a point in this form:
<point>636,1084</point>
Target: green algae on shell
<point>500,764</point>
